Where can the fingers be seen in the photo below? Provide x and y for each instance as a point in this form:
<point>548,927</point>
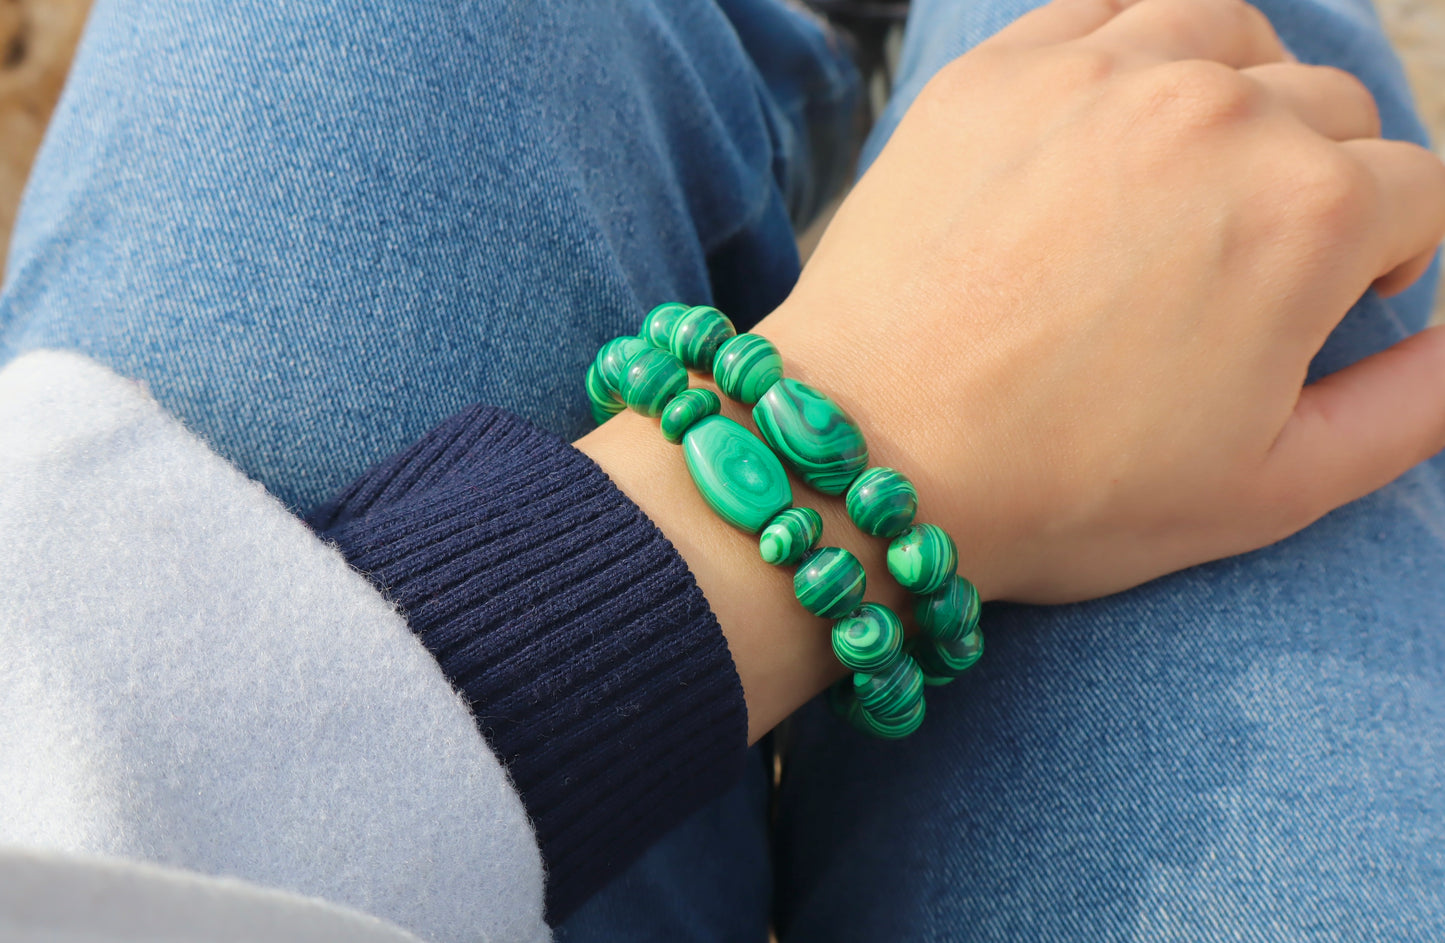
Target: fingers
<point>1331,101</point>
<point>1359,429</point>
<point>1410,206</point>
<point>1058,22</point>
<point>1227,31</point>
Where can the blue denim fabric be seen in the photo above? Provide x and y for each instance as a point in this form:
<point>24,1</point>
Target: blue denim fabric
<point>316,229</point>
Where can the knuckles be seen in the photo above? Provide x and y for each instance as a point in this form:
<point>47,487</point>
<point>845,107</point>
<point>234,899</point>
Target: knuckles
<point>1187,99</point>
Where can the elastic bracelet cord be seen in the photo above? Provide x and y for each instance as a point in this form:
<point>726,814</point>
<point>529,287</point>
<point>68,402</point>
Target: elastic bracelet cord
<point>743,481</point>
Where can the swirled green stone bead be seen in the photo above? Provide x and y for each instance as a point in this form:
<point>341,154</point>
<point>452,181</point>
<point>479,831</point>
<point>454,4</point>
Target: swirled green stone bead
<point>686,409</point>
<point>941,662</point>
<point>745,366</point>
<point>868,639</point>
<point>605,401</point>
<point>922,558</point>
<point>882,502</point>
<point>889,728</point>
<point>789,536</point>
<point>612,359</point>
<point>949,613</point>
<point>812,435</point>
<point>652,378</point>
<point>657,326</point>
<point>891,693</point>
<point>830,582</point>
<point>735,473</point>
<point>697,334</point>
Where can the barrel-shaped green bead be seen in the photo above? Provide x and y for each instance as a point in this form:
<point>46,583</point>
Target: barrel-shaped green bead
<point>612,359</point>
<point>812,434</point>
<point>685,410</point>
<point>882,502</point>
<point>606,403</point>
<point>745,366</point>
<point>922,558</point>
<point>790,536</point>
<point>657,326</point>
<point>892,692</point>
<point>830,582</point>
<point>949,613</point>
<point>738,476</point>
<point>651,379</point>
<point>941,662</point>
<point>697,334</point>
<point>868,639</point>
<point>893,727</point>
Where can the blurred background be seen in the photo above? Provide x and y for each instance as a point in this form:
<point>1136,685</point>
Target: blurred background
<point>38,37</point>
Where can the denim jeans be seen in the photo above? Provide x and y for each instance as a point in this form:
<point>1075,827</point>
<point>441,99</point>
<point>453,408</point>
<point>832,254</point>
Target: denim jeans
<point>316,229</point>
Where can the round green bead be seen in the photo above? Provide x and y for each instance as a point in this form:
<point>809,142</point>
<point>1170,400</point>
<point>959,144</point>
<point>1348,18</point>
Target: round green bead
<point>687,408</point>
<point>949,613</point>
<point>738,476</point>
<point>746,365</point>
<point>941,662</point>
<point>790,536</point>
<point>891,728</point>
<point>882,502</point>
<point>830,582</point>
<point>657,326</point>
<point>612,359</point>
<point>652,378</point>
<point>922,558</point>
<point>697,334</point>
<point>868,639</point>
<point>891,693</point>
<point>812,435</point>
<point>606,403</point>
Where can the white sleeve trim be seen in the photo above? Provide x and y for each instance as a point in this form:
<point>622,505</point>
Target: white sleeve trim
<point>191,678</point>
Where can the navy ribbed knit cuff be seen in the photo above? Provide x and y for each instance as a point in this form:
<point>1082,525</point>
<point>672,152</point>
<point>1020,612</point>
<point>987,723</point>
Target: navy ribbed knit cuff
<point>592,663</point>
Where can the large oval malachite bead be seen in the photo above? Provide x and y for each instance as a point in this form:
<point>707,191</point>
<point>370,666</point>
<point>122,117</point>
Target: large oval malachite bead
<point>657,326</point>
<point>812,435</point>
<point>890,693</point>
<point>941,662</point>
<point>745,366</point>
<point>606,402</point>
<point>790,536</point>
<point>697,335</point>
<point>735,473</point>
<point>687,408</point>
<point>922,558</point>
<point>650,381</point>
<point>612,359</point>
<point>830,582</point>
<point>882,502</point>
<point>950,612</point>
<point>893,727</point>
<point>868,639</point>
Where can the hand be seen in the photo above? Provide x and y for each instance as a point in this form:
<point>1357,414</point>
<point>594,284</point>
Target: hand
<point>1076,296</point>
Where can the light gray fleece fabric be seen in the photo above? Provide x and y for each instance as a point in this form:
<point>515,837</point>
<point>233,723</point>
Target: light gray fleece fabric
<point>189,677</point>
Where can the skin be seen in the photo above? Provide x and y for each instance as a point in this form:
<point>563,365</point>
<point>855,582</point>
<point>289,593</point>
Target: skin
<point>1074,300</point>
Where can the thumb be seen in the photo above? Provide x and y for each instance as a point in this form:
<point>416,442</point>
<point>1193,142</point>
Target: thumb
<point>1361,428</point>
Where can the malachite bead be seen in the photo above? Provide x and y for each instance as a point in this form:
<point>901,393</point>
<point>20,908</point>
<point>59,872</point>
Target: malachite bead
<point>736,473</point>
<point>745,366</point>
<point>830,582</point>
<point>652,378</point>
<point>882,502</point>
<point>868,639</point>
<point>697,335</point>
<point>657,326</point>
<point>687,408</point>
<point>891,693</point>
<point>941,662</point>
<point>891,728</point>
<point>612,359</point>
<point>922,558</point>
<point>949,613</point>
<point>812,435</point>
<point>605,401</point>
<point>790,536</point>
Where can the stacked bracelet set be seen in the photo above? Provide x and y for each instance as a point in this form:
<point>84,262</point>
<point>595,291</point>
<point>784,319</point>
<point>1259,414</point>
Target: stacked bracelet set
<point>743,480</point>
